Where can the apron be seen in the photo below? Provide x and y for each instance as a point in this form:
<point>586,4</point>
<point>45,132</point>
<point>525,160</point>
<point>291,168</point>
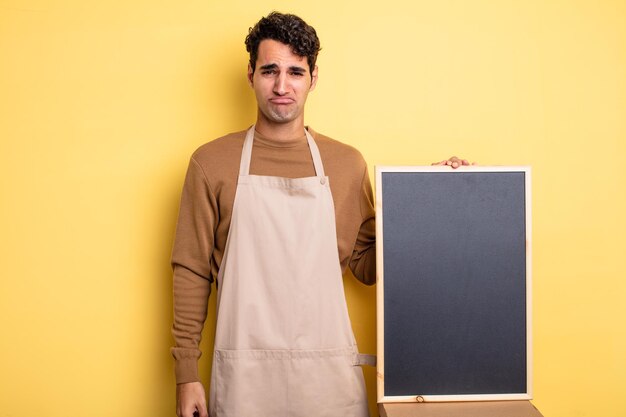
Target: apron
<point>284,346</point>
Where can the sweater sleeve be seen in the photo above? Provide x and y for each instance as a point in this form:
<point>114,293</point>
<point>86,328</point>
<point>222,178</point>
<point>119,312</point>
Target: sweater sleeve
<point>193,246</point>
<point>363,260</point>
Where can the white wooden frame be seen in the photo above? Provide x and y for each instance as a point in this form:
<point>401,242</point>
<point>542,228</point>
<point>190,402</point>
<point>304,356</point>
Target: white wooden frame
<point>381,398</point>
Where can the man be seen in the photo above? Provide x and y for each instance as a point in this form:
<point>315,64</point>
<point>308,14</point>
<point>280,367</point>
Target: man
<point>274,215</point>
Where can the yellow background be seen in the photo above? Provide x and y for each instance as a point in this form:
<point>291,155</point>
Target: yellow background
<point>102,103</point>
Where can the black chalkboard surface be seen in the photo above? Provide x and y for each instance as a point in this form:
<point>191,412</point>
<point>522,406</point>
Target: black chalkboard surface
<point>453,283</point>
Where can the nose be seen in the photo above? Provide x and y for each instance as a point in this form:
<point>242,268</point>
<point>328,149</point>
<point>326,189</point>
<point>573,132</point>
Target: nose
<point>280,84</point>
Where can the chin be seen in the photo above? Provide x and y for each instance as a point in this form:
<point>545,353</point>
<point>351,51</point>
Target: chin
<point>281,118</point>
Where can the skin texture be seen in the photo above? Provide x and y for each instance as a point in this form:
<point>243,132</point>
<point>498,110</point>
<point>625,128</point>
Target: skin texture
<point>454,162</point>
<point>190,399</point>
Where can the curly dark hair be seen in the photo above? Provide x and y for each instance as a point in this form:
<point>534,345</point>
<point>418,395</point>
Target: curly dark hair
<point>288,29</point>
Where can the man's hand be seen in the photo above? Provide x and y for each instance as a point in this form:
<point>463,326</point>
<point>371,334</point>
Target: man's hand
<point>190,399</point>
<point>454,162</point>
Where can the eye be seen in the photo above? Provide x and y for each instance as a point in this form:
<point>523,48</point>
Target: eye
<point>269,72</point>
<point>297,73</point>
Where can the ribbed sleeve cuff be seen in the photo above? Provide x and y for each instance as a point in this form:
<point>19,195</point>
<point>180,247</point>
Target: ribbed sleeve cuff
<point>186,370</point>
<point>186,364</point>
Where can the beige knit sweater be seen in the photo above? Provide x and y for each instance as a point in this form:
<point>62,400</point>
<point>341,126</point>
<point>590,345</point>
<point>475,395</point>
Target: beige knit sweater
<point>205,213</point>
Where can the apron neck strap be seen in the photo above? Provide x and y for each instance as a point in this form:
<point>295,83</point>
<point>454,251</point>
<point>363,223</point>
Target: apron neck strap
<point>246,154</point>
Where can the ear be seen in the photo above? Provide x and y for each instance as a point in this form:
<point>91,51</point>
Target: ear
<point>313,78</point>
<point>250,75</point>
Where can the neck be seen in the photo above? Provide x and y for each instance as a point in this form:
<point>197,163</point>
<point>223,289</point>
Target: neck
<point>280,131</point>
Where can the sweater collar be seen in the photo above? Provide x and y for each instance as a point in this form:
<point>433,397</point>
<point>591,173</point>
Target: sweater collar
<point>267,141</point>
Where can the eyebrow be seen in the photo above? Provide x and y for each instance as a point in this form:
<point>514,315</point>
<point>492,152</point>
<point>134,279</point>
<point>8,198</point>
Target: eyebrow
<point>275,66</point>
<point>269,66</point>
<point>297,69</point>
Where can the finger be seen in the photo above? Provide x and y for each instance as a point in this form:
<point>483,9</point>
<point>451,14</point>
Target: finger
<point>189,411</point>
<point>438,163</point>
<point>202,410</point>
<point>181,411</point>
<point>465,162</point>
<point>201,407</point>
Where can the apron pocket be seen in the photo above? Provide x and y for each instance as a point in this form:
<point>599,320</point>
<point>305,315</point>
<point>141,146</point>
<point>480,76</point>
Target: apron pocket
<point>329,384</point>
<point>288,383</point>
<point>250,383</point>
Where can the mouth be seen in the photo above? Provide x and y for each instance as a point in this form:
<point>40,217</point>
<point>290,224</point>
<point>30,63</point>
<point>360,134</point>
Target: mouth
<point>281,101</point>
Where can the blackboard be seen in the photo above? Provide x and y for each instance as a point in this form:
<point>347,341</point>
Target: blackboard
<point>453,265</point>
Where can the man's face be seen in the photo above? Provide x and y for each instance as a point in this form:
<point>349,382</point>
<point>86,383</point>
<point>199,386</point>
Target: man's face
<point>281,83</point>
